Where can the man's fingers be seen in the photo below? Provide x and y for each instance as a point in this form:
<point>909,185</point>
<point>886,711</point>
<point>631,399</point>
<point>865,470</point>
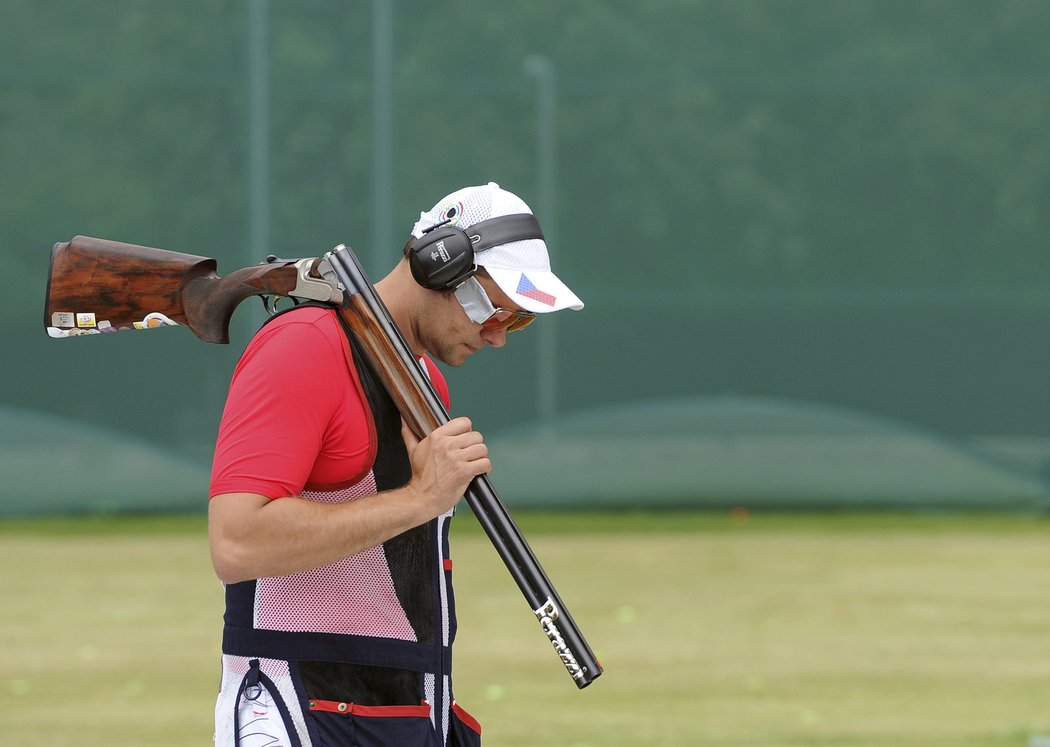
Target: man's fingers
<point>482,466</point>
<point>411,441</point>
<point>475,453</point>
<point>456,426</point>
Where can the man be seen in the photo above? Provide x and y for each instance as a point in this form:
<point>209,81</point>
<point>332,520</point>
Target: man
<point>328,519</point>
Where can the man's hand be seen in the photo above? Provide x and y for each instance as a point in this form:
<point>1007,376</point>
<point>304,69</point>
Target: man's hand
<point>445,462</point>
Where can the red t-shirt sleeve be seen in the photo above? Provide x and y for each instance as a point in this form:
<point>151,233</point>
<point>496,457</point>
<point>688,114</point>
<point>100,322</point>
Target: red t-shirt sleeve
<point>281,400</point>
<point>438,380</point>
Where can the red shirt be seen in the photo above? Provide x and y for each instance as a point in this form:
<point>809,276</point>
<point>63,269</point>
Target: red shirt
<point>296,417</point>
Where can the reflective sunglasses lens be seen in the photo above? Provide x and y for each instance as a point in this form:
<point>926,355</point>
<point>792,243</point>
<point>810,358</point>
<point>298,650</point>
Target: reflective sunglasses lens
<point>508,320</point>
<point>521,322</point>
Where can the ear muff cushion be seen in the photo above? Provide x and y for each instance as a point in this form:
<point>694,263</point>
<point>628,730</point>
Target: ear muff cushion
<point>442,258</point>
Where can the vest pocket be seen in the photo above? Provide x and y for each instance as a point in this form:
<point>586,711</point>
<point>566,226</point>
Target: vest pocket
<point>465,731</point>
<point>337,724</point>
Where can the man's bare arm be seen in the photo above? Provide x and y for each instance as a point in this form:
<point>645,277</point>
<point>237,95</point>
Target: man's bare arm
<point>252,536</point>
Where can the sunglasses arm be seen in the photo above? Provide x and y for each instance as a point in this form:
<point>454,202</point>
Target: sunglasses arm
<point>474,300</point>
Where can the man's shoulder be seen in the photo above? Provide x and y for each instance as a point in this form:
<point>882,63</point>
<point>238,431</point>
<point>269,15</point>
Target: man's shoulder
<point>318,316</point>
<point>297,334</point>
<point>315,322</point>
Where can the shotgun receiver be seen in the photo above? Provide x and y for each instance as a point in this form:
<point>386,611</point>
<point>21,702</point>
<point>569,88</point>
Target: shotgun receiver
<point>97,286</point>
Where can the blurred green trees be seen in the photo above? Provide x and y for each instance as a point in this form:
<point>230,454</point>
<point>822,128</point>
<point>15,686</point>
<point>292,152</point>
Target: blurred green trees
<point>726,156</point>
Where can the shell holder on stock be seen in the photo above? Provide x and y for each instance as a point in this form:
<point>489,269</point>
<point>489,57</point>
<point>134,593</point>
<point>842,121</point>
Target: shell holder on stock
<point>443,257</point>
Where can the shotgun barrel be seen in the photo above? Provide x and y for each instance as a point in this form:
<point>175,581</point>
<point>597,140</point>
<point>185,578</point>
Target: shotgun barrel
<point>410,388</point>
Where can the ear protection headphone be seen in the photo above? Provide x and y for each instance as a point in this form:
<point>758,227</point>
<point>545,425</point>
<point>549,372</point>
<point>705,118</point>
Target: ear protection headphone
<point>443,257</point>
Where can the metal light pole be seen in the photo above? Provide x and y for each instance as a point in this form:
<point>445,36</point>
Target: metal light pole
<point>541,69</point>
<point>382,132</point>
<point>258,136</point>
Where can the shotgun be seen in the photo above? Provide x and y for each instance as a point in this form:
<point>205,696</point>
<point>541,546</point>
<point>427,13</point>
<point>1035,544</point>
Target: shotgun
<point>97,286</point>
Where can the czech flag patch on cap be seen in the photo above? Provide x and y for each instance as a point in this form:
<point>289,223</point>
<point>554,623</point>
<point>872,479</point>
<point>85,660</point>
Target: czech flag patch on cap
<point>526,288</point>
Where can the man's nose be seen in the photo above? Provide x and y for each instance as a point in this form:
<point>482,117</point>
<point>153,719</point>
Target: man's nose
<point>495,338</point>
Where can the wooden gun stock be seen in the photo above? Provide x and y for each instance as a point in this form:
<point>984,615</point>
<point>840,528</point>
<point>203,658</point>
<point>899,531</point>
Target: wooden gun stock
<point>97,285</point>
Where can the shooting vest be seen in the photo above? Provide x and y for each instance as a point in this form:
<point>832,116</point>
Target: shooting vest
<point>363,645</point>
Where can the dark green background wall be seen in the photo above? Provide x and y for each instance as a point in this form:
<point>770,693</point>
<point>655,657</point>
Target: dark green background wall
<point>829,203</point>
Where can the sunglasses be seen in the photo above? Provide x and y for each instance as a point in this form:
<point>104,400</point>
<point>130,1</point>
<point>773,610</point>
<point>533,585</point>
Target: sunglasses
<point>511,321</point>
<point>480,310</point>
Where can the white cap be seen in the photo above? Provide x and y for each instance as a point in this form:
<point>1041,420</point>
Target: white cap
<point>521,269</point>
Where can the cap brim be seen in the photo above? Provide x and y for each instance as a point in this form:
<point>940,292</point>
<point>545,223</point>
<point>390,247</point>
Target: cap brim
<point>534,290</point>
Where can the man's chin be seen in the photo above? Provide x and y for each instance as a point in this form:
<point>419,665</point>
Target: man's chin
<point>455,358</point>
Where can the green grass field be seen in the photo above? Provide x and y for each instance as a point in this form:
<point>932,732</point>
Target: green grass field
<point>838,629</point>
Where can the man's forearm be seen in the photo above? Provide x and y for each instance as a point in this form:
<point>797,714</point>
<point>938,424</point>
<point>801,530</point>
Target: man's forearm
<point>252,536</point>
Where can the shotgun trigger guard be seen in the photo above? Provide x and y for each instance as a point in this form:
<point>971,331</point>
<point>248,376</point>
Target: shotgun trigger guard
<point>270,302</point>
<point>314,288</point>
